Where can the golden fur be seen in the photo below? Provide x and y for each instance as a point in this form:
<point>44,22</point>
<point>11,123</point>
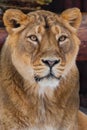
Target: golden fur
<point>39,80</point>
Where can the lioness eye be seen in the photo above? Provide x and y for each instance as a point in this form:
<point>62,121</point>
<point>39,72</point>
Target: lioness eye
<point>62,38</point>
<point>33,38</point>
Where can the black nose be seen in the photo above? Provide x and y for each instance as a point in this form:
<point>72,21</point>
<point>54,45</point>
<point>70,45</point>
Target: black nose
<point>50,63</point>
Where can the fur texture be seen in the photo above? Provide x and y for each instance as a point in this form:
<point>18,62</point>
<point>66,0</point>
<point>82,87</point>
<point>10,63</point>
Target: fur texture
<point>39,80</point>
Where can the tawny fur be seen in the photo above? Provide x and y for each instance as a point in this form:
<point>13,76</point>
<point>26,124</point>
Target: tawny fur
<point>30,99</point>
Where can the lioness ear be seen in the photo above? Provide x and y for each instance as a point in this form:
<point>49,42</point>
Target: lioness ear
<point>73,17</point>
<point>14,20</point>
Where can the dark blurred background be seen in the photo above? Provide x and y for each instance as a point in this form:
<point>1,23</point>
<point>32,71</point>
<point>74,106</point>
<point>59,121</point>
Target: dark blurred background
<point>60,5</point>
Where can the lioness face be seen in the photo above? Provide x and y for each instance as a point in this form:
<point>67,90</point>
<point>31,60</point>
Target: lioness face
<point>44,51</point>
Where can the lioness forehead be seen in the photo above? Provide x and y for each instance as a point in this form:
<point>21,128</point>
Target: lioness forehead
<point>45,18</point>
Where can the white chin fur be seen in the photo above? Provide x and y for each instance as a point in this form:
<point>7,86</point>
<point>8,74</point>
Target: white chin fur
<point>47,84</point>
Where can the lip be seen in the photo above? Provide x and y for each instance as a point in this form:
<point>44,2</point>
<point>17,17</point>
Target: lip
<point>50,75</point>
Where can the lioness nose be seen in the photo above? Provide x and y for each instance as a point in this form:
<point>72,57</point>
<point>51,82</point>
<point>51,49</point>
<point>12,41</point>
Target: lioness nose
<point>50,63</point>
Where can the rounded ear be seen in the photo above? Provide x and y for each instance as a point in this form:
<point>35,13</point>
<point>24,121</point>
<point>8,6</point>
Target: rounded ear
<point>14,20</point>
<point>73,17</point>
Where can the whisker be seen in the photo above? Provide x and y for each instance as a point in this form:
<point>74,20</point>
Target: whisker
<point>60,68</point>
<point>41,67</point>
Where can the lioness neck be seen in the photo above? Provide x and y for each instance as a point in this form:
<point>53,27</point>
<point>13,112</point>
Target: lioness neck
<point>38,109</point>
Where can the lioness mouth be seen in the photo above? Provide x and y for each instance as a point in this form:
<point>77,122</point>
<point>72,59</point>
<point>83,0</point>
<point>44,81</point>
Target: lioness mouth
<point>49,76</point>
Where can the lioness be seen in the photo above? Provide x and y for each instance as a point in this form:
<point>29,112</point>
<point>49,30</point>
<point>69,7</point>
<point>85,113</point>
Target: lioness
<point>39,80</point>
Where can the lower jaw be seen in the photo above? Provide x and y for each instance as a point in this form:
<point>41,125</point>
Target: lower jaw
<point>50,83</point>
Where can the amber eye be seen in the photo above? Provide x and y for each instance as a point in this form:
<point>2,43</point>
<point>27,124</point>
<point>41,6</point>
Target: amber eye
<point>33,38</point>
<point>62,38</point>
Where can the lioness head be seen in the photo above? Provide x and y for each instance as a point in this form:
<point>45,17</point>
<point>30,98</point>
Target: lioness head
<point>43,45</point>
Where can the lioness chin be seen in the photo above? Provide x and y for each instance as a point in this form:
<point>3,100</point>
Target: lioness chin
<point>39,80</point>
